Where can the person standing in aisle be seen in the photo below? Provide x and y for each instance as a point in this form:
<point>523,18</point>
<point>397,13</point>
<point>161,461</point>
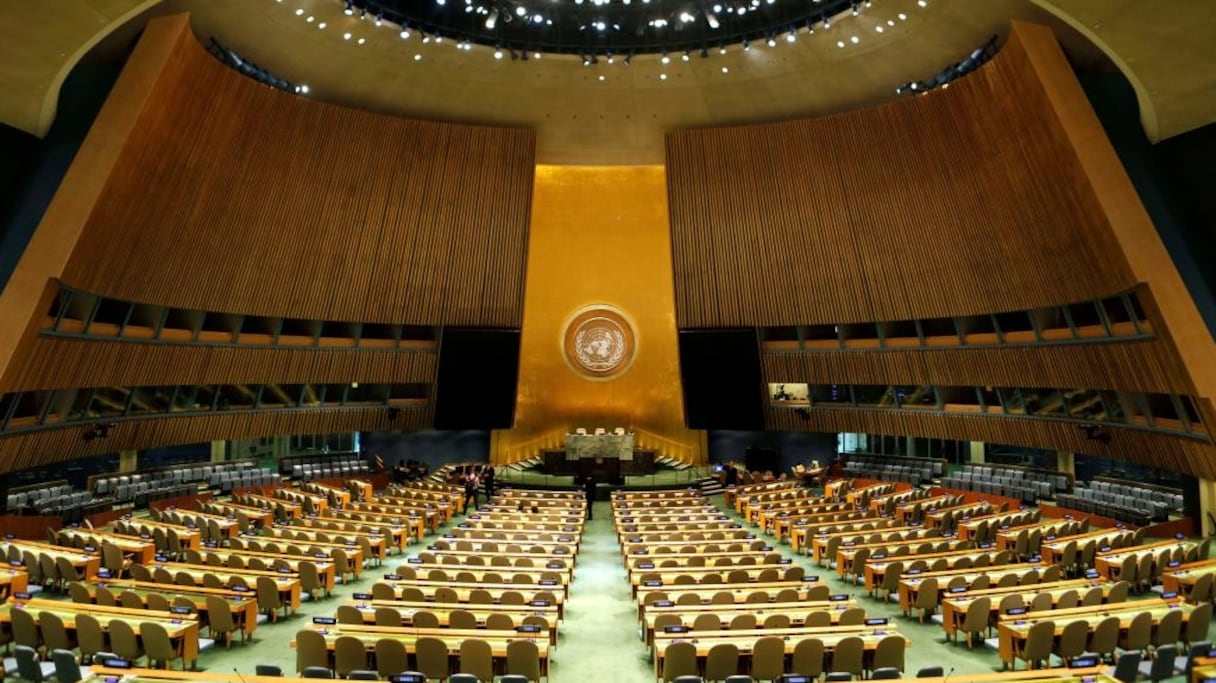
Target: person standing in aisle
<point>487,481</point>
<point>589,492</point>
<point>470,489</point>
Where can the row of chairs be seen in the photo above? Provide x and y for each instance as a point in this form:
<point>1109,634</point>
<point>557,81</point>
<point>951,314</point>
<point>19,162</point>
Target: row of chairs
<point>47,633</point>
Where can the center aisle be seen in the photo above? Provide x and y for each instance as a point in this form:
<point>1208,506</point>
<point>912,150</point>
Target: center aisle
<point>600,640</point>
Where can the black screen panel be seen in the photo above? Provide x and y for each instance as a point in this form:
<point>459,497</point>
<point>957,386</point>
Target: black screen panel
<point>477,379</point>
<point>720,370</point>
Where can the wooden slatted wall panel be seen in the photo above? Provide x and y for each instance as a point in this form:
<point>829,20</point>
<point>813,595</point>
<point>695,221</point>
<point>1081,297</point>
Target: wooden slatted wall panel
<point>57,445</point>
<point>65,363</point>
<point>1178,454</point>
<point>962,201</point>
<point>232,196</point>
<point>1121,366</point>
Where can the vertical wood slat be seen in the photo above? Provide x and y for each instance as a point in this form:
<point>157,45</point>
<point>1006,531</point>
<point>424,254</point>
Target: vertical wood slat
<point>961,201</point>
<point>236,197</point>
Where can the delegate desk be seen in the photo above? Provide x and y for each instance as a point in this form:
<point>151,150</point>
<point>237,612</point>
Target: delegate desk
<point>740,593</point>
<point>933,549</point>
<point>369,634</point>
<point>855,496</point>
<point>429,591</point>
<point>295,535</point>
<point>326,569</point>
<point>1204,670</point>
<point>310,503</point>
<point>901,534</point>
<point>85,563</point>
<point>937,518</point>
<point>1052,550</point>
<point>443,611</point>
<point>568,546</point>
<point>455,561</point>
<point>1007,538</point>
<point>722,560</point>
<point>909,585</point>
<point>250,514</point>
<point>416,525</point>
<point>876,568</point>
<point>332,493</point>
<point>227,526</point>
<point>183,629</point>
<point>1109,563</point>
<point>798,613</point>
<point>1013,629</point>
<point>243,606</point>
<point>398,536</point>
<point>105,674</point>
<point>141,551</point>
<point>13,579</point>
<point>144,528</point>
<point>954,606</point>
<point>967,528</point>
<point>1181,579</point>
<point>354,551</point>
<point>915,510</point>
<point>288,584</point>
<point>801,533</point>
<point>746,640</point>
<point>716,575</point>
<point>289,510</point>
<point>434,514</point>
<point>767,518</point>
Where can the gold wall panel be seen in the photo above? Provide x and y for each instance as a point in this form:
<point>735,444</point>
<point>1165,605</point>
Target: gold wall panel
<point>599,235</point>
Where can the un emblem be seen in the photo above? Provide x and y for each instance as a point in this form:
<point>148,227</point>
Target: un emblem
<point>598,342</point>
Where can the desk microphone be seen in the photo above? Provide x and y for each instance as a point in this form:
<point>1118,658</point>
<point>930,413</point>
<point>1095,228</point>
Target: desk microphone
<point>238,674</point>
<point>947,676</point>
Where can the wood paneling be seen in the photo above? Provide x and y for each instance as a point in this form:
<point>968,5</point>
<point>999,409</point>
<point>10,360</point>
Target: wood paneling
<point>1143,366</point>
<point>64,363</point>
<point>961,201</point>
<point>48,446</point>
<point>1179,454</point>
<point>233,196</point>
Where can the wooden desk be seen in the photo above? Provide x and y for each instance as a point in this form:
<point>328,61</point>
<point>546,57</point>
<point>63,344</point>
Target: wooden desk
<point>143,527</point>
<point>507,575</point>
<point>1006,539</point>
<point>102,674</point>
<point>819,544</point>
<point>259,515</point>
<point>139,550</point>
<point>934,519</point>
<point>854,496</point>
<point>289,584</point>
<point>290,510</point>
<point>1012,631</point>
<point>326,569</point>
<point>906,513</point>
<point>909,585</point>
<point>967,528</point>
<point>722,560</point>
<point>830,636</point>
<point>1109,563</point>
<point>954,606</point>
<point>229,528</point>
<point>407,610</point>
<point>183,628</point>
<point>1182,578</point>
<point>882,551</point>
<point>409,636</point>
<point>800,532</point>
<point>876,569</point>
<point>86,563</point>
<point>669,575</point>
<point>415,524</point>
<point>1204,670</point>
<point>244,606</point>
<point>396,537</point>
<point>13,580</point>
<point>741,592</point>
<point>796,611</point>
<point>1053,551</point>
<point>285,535</point>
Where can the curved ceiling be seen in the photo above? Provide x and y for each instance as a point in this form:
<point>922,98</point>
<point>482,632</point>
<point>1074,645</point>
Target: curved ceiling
<point>617,114</point>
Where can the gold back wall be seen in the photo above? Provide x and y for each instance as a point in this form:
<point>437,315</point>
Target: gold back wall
<point>599,236</point>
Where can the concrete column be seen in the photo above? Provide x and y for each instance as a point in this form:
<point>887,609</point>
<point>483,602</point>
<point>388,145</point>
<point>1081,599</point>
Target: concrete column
<point>1207,504</point>
<point>977,451</point>
<point>219,451</point>
<point>128,461</point>
<point>1067,462</point>
<point>911,446</point>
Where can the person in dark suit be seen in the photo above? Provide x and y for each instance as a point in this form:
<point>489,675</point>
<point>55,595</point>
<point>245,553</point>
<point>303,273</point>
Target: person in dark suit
<point>589,491</point>
<point>487,481</point>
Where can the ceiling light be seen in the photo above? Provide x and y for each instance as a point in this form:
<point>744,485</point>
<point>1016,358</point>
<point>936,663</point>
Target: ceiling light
<point>771,42</point>
<point>878,28</point>
<point>404,34</point>
<point>299,12</point>
<point>921,3</point>
<point>665,59</point>
<point>725,70</point>
<point>310,18</point>
<point>346,36</point>
<point>791,36</point>
<point>662,77</point>
<point>840,43</point>
<point>712,20</point>
<point>521,11</point>
<point>361,41</point>
<point>601,77</point>
<point>498,54</point>
<point>303,89</point>
<point>855,39</point>
<point>492,21</point>
<point>722,50</point>
<point>902,16</point>
<point>417,58</point>
<point>685,56</point>
<point>322,25</point>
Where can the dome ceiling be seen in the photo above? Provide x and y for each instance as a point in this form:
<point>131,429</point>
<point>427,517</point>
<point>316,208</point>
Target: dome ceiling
<point>591,108</point>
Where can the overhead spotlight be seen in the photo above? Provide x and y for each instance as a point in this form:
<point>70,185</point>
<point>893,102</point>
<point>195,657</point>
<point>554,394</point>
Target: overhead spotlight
<point>535,55</point>
<point>586,60</point>
<point>303,89</point>
<point>722,50</point>
<point>662,77</point>
<point>791,36</point>
<point>665,59</point>
<point>746,46</point>
<point>405,34</point>
<point>611,58</point>
<point>379,19</point>
<point>322,25</point>
<point>417,57</point>
<point>772,42</point>
<point>856,10</point>
<point>498,53</point>
<point>299,12</point>
<point>827,23</point>
<point>921,3</point>
<point>601,77</point>
<point>712,20</point>
<point>725,70</point>
<point>492,20</point>
<point>350,8</point>
<point>346,36</point>
<point>685,57</point>
<point>854,39</point>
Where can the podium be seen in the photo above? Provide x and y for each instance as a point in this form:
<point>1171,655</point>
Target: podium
<point>605,457</point>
